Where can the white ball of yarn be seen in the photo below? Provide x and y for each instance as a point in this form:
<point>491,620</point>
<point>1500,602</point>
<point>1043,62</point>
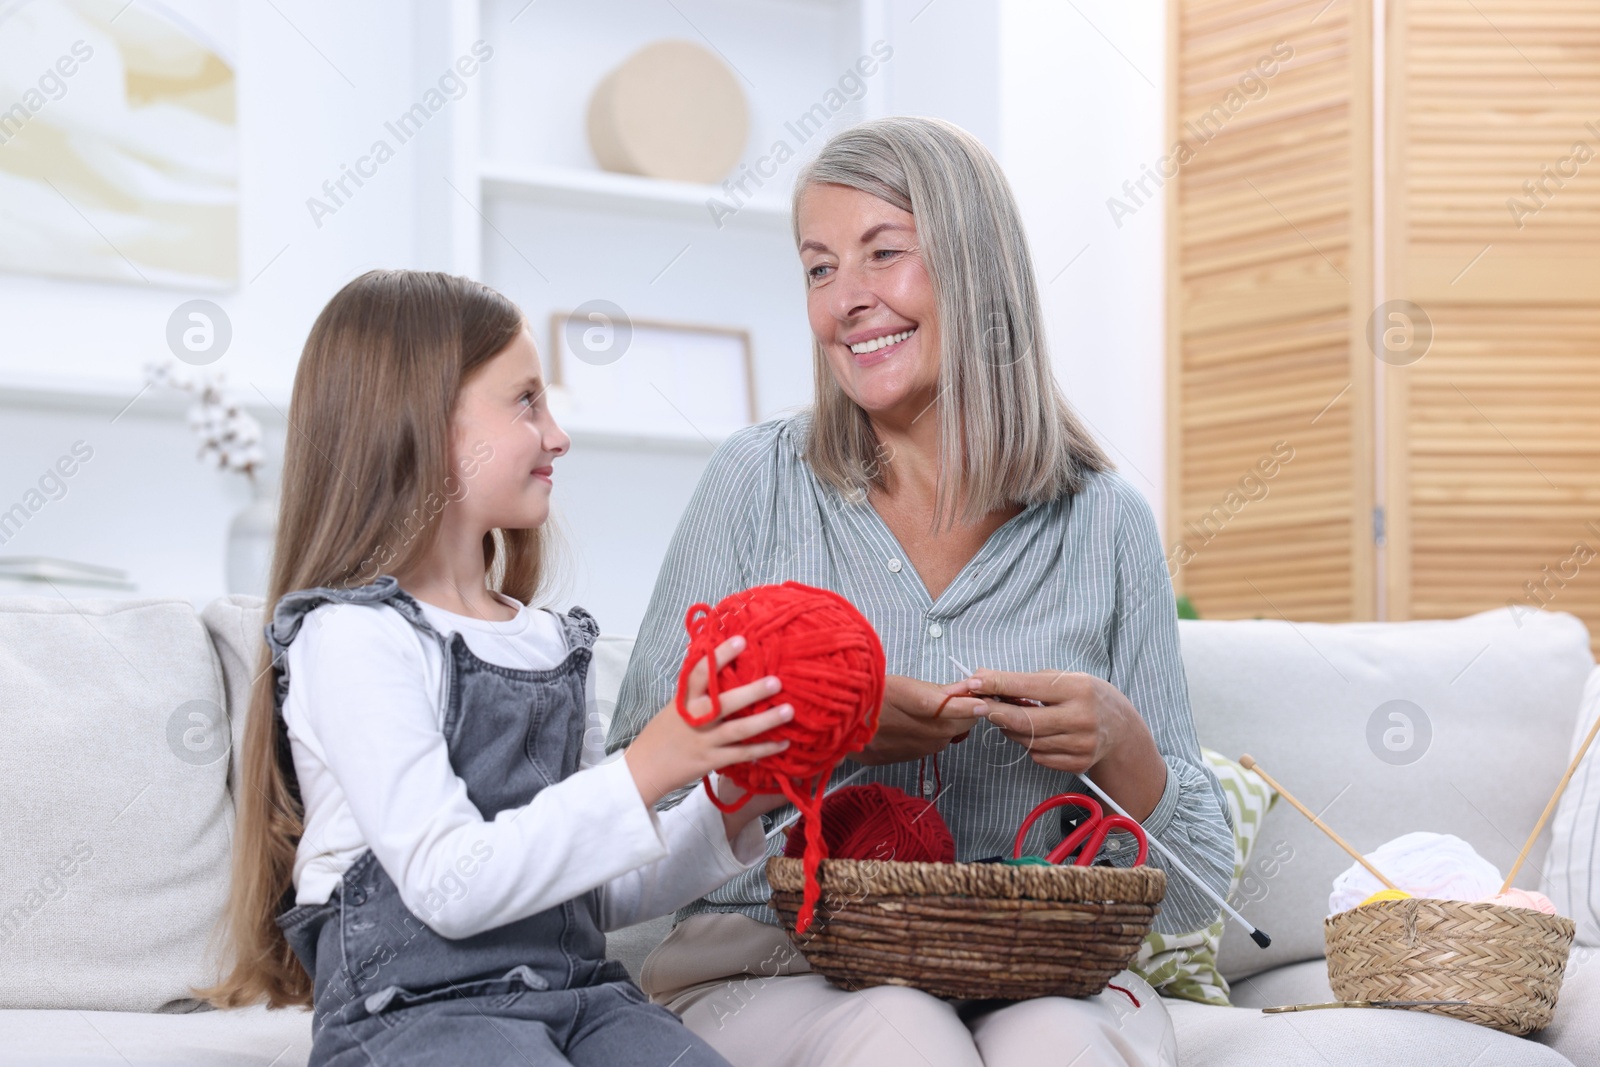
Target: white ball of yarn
<point>1423,864</point>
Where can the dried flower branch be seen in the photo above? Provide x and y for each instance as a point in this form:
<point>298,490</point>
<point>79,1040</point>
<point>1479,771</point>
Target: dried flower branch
<point>229,435</point>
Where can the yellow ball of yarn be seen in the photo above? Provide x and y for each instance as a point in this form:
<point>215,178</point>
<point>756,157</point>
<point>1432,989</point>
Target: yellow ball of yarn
<point>1386,894</point>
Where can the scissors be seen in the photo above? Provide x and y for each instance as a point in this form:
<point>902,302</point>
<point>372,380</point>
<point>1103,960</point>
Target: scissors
<point>1091,833</point>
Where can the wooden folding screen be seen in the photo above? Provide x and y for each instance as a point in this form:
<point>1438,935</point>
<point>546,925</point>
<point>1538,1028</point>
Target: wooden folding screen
<point>1269,279</point>
<point>1455,344</point>
<point>1494,232</point>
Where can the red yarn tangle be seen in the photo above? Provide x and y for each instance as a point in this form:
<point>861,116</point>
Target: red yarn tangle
<point>831,664</point>
<point>878,822</point>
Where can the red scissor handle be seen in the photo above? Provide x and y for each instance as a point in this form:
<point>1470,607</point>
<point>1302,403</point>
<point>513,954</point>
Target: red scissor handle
<point>1059,800</point>
<point>1097,838</point>
<point>1091,833</point>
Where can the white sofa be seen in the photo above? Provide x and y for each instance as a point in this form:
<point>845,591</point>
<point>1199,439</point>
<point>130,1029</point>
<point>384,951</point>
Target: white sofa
<point>118,793</point>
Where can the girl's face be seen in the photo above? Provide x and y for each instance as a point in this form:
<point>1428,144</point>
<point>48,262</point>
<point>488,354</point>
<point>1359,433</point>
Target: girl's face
<point>505,441</point>
<point>866,282</point>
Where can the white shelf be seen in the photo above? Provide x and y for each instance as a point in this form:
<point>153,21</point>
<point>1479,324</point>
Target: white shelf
<point>571,187</point>
<point>112,395</point>
<point>119,395</point>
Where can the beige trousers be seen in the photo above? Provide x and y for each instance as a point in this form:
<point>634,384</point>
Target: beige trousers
<point>743,987</point>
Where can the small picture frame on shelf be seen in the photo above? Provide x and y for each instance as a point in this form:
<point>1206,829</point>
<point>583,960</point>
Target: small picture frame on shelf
<point>611,373</point>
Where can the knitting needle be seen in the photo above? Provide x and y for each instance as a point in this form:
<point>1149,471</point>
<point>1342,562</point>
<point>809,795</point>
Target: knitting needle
<point>1548,808</point>
<point>1248,763</point>
<point>1260,937</point>
<point>1363,1004</point>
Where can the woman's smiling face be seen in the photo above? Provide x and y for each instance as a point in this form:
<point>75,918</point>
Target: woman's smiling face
<point>870,300</point>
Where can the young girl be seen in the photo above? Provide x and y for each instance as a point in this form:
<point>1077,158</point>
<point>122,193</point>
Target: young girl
<point>430,841</point>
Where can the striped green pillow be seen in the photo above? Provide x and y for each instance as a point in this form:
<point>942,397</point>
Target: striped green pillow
<point>1185,965</point>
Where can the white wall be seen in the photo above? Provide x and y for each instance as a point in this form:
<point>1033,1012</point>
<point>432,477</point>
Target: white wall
<point>1064,112</point>
<point>1082,101</point>
<point>72,352</point>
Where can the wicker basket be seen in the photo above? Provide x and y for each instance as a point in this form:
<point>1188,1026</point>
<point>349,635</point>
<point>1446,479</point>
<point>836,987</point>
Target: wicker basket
<point>971,930</point>
<point>1507,962</point>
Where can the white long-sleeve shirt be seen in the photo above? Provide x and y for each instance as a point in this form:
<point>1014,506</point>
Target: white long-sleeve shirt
<point>365,718</point>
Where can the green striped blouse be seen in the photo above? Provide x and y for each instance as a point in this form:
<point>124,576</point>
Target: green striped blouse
<point>1077,584</point>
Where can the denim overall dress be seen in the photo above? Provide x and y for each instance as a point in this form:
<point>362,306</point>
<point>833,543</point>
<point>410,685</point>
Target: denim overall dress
<point>387,988</point>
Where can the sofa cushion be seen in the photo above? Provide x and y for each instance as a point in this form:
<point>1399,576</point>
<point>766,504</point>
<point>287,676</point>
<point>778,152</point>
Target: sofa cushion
<point>113,778</point>
<point>1209,1036</point>
<point>1185,965</point>
<point>1458,726</point>
<point>245,1037</point>
<point>1572,870</point>
<point>1294,983</point>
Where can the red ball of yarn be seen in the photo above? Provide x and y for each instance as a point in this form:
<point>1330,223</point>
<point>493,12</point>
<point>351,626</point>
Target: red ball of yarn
<point>831,664</point>
<point>879,822</point>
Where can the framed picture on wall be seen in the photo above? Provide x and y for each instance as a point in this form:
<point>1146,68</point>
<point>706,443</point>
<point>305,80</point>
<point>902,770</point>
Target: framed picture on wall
<point>119,154</point>
<point>615,374</point>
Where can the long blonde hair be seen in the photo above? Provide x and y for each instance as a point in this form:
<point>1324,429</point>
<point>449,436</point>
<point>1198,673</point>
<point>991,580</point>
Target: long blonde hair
<point>368,446</point>
<point>1006,433</point>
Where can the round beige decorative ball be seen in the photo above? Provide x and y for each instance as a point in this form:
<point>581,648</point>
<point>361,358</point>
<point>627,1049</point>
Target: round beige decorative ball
<point>672,110</point>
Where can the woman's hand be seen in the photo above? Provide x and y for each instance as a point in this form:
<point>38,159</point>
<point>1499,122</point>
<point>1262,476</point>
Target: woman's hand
<point>669,753</point>
<point>907,726</point>
<point>1081,722</point>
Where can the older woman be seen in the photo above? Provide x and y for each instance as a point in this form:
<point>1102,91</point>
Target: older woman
<point>943,485</point>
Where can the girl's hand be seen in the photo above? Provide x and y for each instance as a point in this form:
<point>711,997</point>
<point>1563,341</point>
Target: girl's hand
<point>907,728</point>
<point>669,753</point>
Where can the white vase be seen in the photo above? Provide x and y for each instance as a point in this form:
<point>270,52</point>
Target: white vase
<point>250,538</point>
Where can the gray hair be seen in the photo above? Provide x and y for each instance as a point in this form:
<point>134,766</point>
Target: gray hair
<point>1006,432</point>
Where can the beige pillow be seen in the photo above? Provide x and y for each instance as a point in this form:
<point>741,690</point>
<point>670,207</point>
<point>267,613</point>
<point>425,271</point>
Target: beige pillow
<point>113,780</point>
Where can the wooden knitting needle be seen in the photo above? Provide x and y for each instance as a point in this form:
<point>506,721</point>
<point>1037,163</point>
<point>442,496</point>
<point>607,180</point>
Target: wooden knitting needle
<point>1248,763</point>
<point>1361,1004</point>
<point>1548,808</point>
